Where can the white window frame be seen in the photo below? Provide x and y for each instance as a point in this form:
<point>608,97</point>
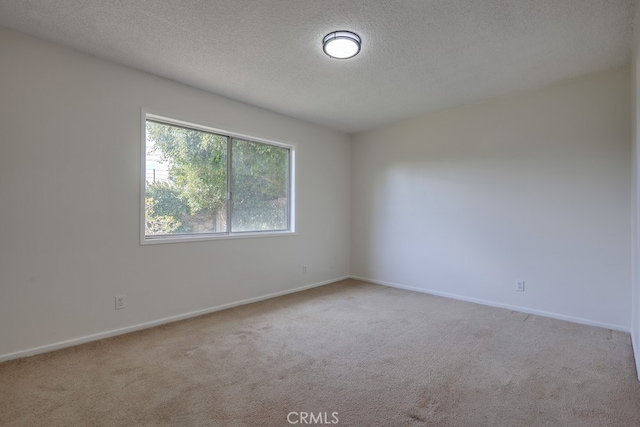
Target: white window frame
<point>198,237</point>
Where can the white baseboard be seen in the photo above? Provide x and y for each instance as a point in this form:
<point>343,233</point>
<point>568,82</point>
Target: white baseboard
<point>500,305</point>
<point>636,350</point>
<point>133,328</point>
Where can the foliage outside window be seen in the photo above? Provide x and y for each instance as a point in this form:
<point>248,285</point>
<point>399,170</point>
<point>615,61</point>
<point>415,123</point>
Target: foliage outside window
<point>199,183</point>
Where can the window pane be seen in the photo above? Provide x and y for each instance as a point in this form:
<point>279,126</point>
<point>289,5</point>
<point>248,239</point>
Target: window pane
<point>259,187</point>
<point>186,181</point>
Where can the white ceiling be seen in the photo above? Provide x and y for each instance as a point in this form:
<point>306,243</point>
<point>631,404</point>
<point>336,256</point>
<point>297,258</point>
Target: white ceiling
<point>418,56</point>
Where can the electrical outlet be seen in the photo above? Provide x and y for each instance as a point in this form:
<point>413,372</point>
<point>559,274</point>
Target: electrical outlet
<point>120,302</point>
<point>520,286</point>
<point>304,269</point>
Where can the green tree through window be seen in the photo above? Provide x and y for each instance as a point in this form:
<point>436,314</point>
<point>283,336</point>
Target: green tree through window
<point>187,183</point>
<point>259,186</point>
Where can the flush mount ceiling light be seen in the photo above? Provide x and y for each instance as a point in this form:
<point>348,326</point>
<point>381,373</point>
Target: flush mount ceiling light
<point>341,44</point>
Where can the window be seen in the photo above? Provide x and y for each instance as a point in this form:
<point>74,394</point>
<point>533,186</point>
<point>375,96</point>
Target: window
<point>202,183</point>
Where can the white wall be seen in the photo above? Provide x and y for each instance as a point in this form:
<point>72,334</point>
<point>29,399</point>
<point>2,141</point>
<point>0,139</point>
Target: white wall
<point>69,202</point>
<point>535,186</point>
<point>635,119</point>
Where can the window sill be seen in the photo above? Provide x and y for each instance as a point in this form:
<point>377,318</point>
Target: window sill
<point>210,237</point>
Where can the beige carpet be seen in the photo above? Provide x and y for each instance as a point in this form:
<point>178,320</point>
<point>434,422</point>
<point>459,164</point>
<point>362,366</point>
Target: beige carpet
<point>374,355</point>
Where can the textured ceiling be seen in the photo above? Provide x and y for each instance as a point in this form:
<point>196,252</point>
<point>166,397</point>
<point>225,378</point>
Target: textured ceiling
<point>418,56</point>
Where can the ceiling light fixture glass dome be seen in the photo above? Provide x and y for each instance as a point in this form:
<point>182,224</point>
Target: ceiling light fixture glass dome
<point>341,44</point>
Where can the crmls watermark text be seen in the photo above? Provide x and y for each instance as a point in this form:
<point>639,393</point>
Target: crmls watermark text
<point>312,418</point>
